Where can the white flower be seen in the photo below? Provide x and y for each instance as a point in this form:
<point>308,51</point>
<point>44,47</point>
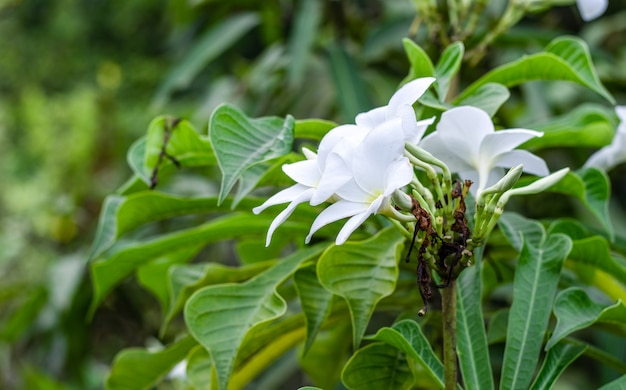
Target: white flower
<point>615,153</point>
<point>320,176</point>
<point>591,9</point>
<point>467,142</point>
<point>400,109</point>
<point>378,168</point>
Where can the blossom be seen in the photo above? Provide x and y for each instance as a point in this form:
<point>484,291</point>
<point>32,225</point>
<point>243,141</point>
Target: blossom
<point>378,168</point>
<point>615,153</point>
<point>591,9</point>
<point>400,110</point>
<point>467,142</point>
<point>321,175</point>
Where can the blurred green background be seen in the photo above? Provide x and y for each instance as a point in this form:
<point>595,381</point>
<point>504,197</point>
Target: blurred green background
<point>80,80</point>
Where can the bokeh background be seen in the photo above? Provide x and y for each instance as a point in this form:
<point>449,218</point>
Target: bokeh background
<point>80,80</point>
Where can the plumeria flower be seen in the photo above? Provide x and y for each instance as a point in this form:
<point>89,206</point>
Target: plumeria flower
<point>591,9</point>
<point>615,153</point>
<point>400,110</point>
<point>378,168</point>
<point>467,142</point>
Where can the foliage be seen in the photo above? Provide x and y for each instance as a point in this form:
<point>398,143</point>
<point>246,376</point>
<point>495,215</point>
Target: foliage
<point>543,298</point>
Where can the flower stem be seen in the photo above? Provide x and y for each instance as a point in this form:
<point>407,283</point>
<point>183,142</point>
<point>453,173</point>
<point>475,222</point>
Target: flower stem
<point>448,311</point>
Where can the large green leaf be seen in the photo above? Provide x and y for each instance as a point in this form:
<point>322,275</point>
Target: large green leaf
<point>170,138</point>
<point>377,366</point>
<point>617,384</point>
<point>206,48</point>
<point>536,279</point>
<point>565,58</point>
<point>137,368</point>
<point>220,316</point>
<point>362,273</point>
<point>154,275</point>
<point>557,360</point>
<point>587,125</point>
<point>184,280</point>
<point>574,310</point>
<point>314,129</point>
<point>314,299</point>
<point>241,142</point>
<point>407,337</point>
<point>121,215</point>
<point>489,97</point>
<point>421,65</point>
<point>515,226</point>
<point>592,187</point>
<point>447,67</point>
<point>110,271</point>
<point>472,347</point>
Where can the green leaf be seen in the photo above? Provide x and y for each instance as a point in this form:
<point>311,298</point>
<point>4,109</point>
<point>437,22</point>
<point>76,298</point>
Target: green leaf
<point>315,301</point>
<point>597,196</point>
<point>306,21</point>
<point>514,227</point>
<point>137,368</point>
<point>535,283</point>
<point>220,316</point>
<point>447,67</point>
<point>121,215</point>
<point>108,272</point>
<point>498,325</point>
<point>587,125</point>
<point>362,273</point>
<point>241,142</point>
<point>489,97</point>
<point>206,48</point>
<point>200,371</point>
<point>421,65</point>
<point>184,280</point>
<point>407,337</point>
<point>154,275</point>
<point>592,187</point>
<point>313,129</point>
<point>352,95</point>
<point>595,251</point>
<point>180,141</point>
<point>135,158</point>
<point>472,348</point>
<point>574,311</point>
<point>377,366</point>
<point>558,358</point>
<point>565,58</point>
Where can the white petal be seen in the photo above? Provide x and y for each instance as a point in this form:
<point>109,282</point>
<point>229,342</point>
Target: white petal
<point>591,9</point>
<point>435,146</point>
<point>351,191</point>
<point>381,147</point>
<point>372,118</point>
<point>336,174</point>
<point>621,113</point>
<point>335,212</point>
<point>282,217</point>
<point>304,172</point>
<point>408,94</point>
<point>611,155</point>
<point>284,196</point>
<point>309,154</point>
<point>335,136</point>
<point>421,127</point>
<point>503,141</point>
<point>409,125</point>
<point>356,221</point>
<point>462,129</point>
<point>398,175</point>
<point>532,163</point>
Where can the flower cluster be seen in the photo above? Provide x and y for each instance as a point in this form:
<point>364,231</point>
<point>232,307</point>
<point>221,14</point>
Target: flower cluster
<point>363,168</point>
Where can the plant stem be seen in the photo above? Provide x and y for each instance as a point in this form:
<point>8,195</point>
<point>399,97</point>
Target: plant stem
<point>448,311</point>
